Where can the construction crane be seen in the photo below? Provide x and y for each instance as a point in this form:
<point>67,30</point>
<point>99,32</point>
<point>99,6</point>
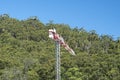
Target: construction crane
<point>59,41</point>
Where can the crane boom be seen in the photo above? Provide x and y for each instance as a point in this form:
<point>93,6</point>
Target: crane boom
<point>56,37</point>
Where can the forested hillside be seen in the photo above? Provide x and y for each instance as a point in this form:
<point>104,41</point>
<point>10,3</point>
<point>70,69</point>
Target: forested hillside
<point>26,52</point>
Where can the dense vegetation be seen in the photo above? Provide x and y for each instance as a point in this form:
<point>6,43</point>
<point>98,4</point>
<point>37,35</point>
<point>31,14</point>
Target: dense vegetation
<point>26,52</point>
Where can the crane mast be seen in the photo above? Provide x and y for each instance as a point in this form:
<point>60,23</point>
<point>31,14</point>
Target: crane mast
<point>58,61</point>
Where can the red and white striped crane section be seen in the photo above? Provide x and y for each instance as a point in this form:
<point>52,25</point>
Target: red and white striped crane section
<point>56,37</point>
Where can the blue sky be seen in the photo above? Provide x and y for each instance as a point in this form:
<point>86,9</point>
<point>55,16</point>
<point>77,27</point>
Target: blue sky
<point>103,16</point>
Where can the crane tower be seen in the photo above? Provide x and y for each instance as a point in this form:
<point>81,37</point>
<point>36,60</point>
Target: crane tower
<point>59,41</point>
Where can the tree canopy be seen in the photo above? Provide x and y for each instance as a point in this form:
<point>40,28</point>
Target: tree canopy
<point>26,52</point>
